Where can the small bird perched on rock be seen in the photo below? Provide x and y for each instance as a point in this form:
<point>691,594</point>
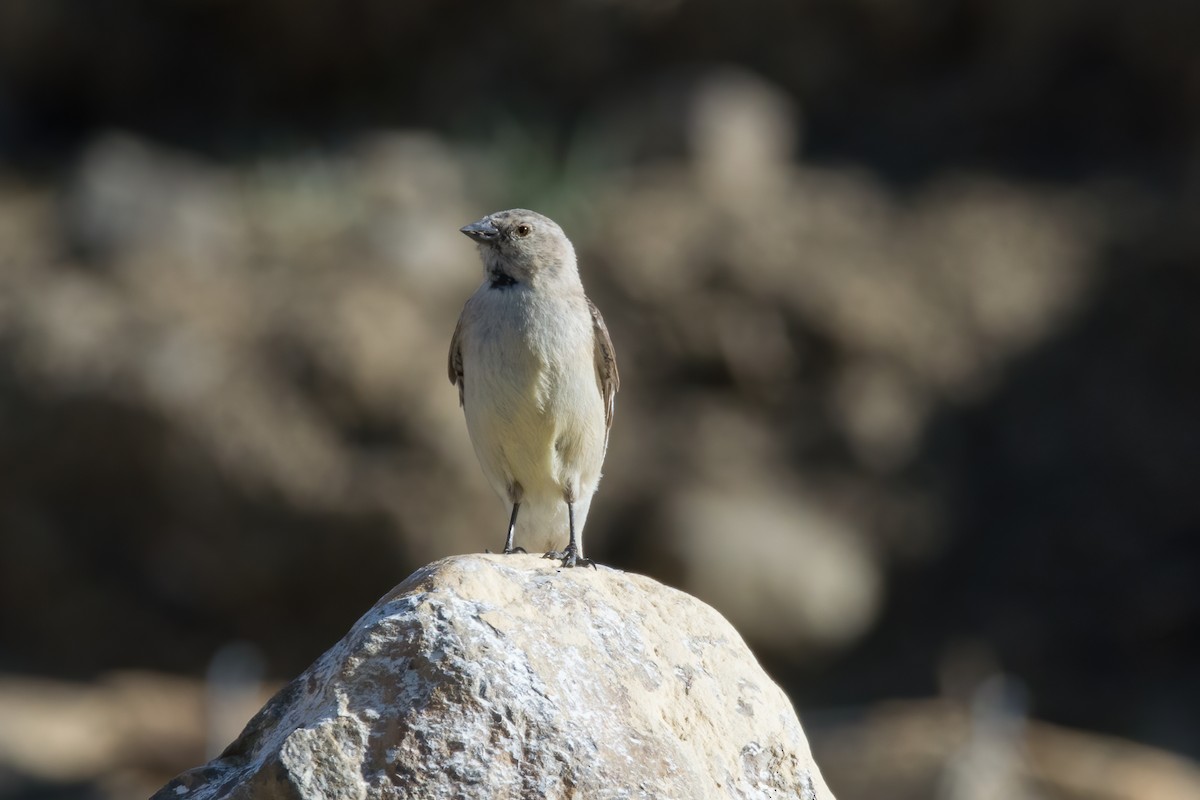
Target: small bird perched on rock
<point>537,380</point>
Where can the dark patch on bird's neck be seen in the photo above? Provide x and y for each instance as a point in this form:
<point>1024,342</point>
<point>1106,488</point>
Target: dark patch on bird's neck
<point>500,280</point>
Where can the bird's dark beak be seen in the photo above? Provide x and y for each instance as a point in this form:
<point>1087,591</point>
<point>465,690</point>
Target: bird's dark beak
<point>482,231</point>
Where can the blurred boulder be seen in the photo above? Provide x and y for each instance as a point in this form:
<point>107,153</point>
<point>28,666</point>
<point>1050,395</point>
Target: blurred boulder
<point>119,736</point>
<point>918,749</point>
<point>795,580</point>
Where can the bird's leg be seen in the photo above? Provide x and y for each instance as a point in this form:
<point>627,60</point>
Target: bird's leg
<point>571,557</point>
<point>512,528</point>
<point>515,493</point>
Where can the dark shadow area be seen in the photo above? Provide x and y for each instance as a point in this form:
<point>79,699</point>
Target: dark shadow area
<point>1073,521</point>
<point>1057,92</point>
<point>124,548</point>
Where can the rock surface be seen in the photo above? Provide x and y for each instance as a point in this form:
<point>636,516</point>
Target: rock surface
<point>504,676</point>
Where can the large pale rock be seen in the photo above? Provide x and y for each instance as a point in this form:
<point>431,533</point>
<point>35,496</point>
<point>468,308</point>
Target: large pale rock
<point>504,676</point>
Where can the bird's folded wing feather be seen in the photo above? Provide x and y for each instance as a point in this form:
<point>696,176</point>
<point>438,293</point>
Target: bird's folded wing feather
<point>608,380</point>
<point>456,363</point>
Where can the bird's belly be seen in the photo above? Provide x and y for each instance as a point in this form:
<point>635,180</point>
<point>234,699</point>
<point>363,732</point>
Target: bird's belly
<point>510,427</point>
<point>532,424</point>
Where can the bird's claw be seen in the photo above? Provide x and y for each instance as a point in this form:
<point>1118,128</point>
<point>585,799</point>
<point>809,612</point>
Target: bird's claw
<point>571,558</point>
<point>507,551</point>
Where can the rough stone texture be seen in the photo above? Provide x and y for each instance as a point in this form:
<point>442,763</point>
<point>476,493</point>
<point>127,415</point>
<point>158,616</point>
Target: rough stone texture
<point>504,676</point>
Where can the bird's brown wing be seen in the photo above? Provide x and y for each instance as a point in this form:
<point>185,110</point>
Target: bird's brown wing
<point>456,364</point>
<point>608,380</point>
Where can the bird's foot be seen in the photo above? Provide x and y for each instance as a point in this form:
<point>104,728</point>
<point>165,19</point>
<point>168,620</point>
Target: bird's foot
<point>571,558</point>
<point>508,551</point>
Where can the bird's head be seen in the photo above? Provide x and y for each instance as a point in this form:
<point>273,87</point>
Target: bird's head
<point>522,246</point>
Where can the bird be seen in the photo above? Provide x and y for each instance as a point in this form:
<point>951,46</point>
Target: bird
<point>537,380</point>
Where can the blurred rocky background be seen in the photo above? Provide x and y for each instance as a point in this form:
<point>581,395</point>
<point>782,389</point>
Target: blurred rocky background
<point>904,297</point>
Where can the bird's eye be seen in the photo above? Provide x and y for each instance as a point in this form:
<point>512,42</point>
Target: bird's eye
<point>523,230</point>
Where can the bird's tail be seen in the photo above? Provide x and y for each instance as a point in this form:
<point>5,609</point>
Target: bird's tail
<point>542,527</point>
